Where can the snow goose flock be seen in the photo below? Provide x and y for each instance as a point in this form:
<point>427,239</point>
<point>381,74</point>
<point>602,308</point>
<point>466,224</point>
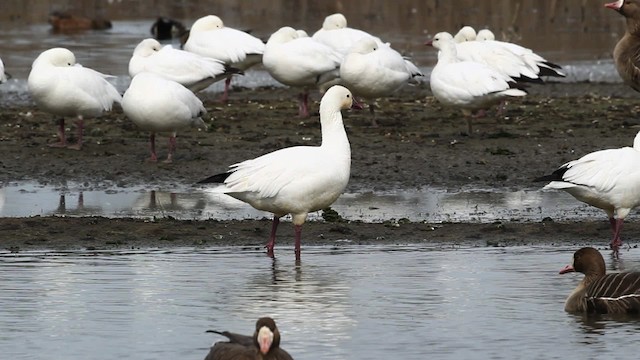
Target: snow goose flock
<point>473,72</point>
<point>468,85</point>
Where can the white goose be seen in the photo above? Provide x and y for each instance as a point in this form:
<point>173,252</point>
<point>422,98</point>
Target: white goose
<point>466,84</point>
<point>300,62</point>
<point>497,57</point>
<point>189,69</point>
<point>336,34</point>
<point>607,179</point>
<point>300,179</point>
<point>3,75</point>
<point>209,37</point>
<point>466,33</point>
<point>540,65</point>
<point>63,88</point>
<point>371,70</point>
<point>157,105</point>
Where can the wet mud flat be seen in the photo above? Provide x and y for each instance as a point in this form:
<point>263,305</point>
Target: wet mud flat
<point>417,143</point>
<point>98,233</point>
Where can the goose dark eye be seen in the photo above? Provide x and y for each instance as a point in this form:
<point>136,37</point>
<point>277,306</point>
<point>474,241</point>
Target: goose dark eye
<point>348,95</point>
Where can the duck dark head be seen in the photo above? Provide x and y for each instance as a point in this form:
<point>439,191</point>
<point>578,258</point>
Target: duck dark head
<point>628,8</point>
<point>266,336</point>
<point>588,261</point>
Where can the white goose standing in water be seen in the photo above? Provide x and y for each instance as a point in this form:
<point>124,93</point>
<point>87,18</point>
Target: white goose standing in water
<point>607,179</point>
<point>300,179</point>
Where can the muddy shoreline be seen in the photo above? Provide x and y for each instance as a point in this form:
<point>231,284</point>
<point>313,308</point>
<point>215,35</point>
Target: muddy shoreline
<point>417,143</point>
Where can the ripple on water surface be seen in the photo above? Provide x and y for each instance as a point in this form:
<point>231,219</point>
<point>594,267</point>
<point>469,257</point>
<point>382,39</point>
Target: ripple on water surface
<point>351,302</point>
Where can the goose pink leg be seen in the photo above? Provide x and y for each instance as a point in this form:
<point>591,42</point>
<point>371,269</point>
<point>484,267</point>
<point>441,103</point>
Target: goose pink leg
<point>303,107</point>
<point>61,135</point>
<point>227,85</point>
<point>172,148</point>
<point>152,146</point>
<point>80,132</point>
<point>298,232</point>
<point>616,226</point>
<point>272,238</point>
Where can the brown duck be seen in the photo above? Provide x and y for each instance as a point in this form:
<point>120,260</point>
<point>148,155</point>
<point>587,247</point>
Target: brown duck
<point>598,292</point>
<point>263,345</point>
<point>626,54</point>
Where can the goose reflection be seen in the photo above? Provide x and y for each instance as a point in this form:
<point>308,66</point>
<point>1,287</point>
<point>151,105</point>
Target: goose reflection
<point>319,295</point>
<point>163,203</point>
<point>80,209</point>
<point>596,325</point>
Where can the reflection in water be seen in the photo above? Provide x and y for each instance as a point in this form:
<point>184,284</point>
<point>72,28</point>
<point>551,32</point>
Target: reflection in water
<point>348,303</point>
<point>430,205</point>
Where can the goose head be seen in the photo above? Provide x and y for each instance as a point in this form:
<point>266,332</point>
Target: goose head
<point>467,33</point>
<point>266,336</point>
<point>339,98</point>
<point>484,35</point>
<point>209,22</point>
<point>283,35</point>
<point>147,47</point>
<point>588,261</point>
<point>58,57</point>
<point>334,21</point>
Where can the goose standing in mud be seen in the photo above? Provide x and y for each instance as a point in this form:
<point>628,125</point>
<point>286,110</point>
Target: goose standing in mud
<point>607,179</point>
<point>296,180</point>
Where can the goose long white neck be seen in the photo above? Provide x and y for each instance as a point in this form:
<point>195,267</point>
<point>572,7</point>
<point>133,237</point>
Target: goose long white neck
<point>636,142</point>
<point>334,136</point>
<point>448,53</point>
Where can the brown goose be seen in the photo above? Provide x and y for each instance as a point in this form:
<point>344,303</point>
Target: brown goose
<point>264,345</point>
<point>626,54</point>
<point>598,292</point>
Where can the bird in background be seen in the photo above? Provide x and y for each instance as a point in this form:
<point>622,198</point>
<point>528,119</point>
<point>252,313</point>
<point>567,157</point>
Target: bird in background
<point>467,85</point>
<point>300,62</point>
<point>209,37</point>
<point>372,70</point>
<point>336,34</point>
<point>189,69</point>
<point>64,88</point>
<point>3,75</point>
<point>515,61</point>
<point>159,105</point>
<point>626,54</point>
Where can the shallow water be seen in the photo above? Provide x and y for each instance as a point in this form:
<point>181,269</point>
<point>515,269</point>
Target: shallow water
<point>374,302</point>
<point>428,204</point>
